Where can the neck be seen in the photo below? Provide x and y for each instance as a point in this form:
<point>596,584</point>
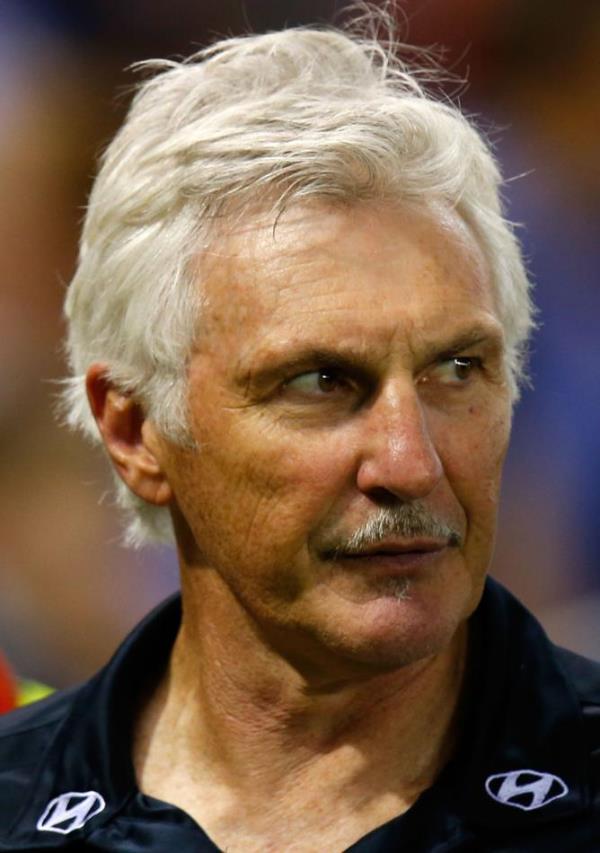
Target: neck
<point>234,712</point>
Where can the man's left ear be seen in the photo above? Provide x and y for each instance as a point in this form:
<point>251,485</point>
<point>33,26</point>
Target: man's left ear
<point>130,439</point>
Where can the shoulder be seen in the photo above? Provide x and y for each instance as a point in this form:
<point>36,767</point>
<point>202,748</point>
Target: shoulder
<point>26,736</point>
<point>582,673</point>
<point>35,717</point>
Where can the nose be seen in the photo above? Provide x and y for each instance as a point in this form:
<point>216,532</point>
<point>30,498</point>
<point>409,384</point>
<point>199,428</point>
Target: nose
<point>399,456</point>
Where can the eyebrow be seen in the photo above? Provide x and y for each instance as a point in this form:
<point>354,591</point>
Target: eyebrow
<point>489,335</point>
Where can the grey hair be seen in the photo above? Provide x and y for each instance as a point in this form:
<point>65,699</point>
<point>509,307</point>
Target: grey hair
<point>294,115</point>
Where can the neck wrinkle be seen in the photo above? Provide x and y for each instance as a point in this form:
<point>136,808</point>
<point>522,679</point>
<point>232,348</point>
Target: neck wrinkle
<point>251,721</point>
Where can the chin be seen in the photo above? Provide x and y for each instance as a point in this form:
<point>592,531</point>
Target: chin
<point>393,631</point>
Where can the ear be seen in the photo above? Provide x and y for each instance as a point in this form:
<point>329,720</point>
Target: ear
<point>131,441</point>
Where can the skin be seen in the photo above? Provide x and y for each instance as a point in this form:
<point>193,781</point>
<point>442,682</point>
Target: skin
<point>351,359</point>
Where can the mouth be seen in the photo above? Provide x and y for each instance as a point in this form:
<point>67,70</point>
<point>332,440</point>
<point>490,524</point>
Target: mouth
<point>397,557</point>
<point>399,548</point>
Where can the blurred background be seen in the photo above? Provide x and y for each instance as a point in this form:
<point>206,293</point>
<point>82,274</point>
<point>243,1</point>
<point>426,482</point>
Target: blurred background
<point>68,590</point>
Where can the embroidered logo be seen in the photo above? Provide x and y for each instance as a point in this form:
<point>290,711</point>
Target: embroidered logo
<point>525,789</point>
<point>70,811</point>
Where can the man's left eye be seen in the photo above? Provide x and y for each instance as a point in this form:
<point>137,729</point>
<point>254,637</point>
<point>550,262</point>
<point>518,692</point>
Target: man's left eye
<point>456,370</point>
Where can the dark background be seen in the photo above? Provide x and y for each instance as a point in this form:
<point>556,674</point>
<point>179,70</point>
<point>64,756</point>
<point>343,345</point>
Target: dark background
<point>68,590</point>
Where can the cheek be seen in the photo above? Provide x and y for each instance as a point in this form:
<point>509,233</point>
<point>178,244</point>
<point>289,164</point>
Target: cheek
<point>472,452</point>
<point>293,480</point>
<point>254,491</point>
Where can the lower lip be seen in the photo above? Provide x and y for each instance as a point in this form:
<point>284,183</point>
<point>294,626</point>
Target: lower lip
<point>401,563</point>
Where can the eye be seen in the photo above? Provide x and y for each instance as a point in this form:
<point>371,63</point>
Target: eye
<point>318,383</point>
<point>455,371</point>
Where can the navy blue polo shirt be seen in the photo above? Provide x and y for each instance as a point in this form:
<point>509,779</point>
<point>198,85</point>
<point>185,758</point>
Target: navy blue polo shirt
<point>525,775</point>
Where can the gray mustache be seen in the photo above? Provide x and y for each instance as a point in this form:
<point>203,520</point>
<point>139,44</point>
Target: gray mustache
<point>409,521</point>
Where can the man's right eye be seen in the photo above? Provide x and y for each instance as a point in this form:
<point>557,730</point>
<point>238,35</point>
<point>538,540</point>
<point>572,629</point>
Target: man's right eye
<point>318,383</point>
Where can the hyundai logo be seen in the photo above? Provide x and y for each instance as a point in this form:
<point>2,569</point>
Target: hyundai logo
<point>525,789</point>
<point>70,811</point>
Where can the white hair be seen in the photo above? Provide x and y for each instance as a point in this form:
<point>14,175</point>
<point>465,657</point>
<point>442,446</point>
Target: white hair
<point>294,115</point>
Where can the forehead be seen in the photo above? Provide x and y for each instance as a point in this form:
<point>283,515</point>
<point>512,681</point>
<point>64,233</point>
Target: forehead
<point>367,268</point>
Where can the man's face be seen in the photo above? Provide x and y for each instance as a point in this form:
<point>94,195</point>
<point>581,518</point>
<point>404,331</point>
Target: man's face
<point>350,406</point>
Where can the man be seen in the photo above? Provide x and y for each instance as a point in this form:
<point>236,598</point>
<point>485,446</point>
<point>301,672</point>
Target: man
<point>299,321</point>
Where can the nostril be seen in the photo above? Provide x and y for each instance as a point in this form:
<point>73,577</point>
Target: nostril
<point>384,497</point>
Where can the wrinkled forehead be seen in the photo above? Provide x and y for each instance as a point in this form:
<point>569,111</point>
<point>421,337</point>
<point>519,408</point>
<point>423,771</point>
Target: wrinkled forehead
<point>315,249</point>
